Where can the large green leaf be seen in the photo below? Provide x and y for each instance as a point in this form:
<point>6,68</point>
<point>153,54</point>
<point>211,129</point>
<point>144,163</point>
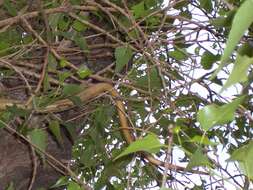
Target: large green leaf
<point>212,115</point>
<point>198,159</point>
<point>39,138</point>
<point>122,55</point>
<point>149,144</point>
<point>242,20</point>
<point>244,156</point>
<point>239,72</point>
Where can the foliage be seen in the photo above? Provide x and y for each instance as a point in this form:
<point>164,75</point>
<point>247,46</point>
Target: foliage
<point>182,69</point>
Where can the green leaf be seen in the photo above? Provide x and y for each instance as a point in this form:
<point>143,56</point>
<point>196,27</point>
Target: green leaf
<point>63,23</point>
<point>46,83</point>
<point>212,115</point>
<point>63,63</point>
<point>79,26</point>
<point>71,130</point>
<point>54,127</point>
<point>52,62</point>
<point>198,159</point>
<point>180,41</point>
<point>123,56</point>
<point>64,75</point>
<point>202,140</point>
<point>71,89</point>
<point>9,38</point>
<point>8,5</point>
<point>73,186</point>
<point>88,153</point>
<point>76,100</point>
<point>39,138</point>
<point>3,47</point>
<point>239,72</point>
<point>102,117</point>
<point>186,14</point>
<point>178,54</point>
<point>60,182</point>
<point>151,78</point>
<point>81,42</point>
<point>16,111</point>
<point>244,156</point>
<point>139,107</point>
<point>246,49</point>
<point>53,20</point>
<point>242,20</point>
<point>208,59</point>
<point>180,4</point>
<point>187,100</point>
<point>152,3</point>
<point>5,117</point>
<point>149,144</point>
<point>139,10</point>
<point>221,22</point>
<point>75,2</point>
<point>175,74</point>
<point>10,186</point>
<point>84,72</point>
<point>207,5</point>
<point>217,81</point>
